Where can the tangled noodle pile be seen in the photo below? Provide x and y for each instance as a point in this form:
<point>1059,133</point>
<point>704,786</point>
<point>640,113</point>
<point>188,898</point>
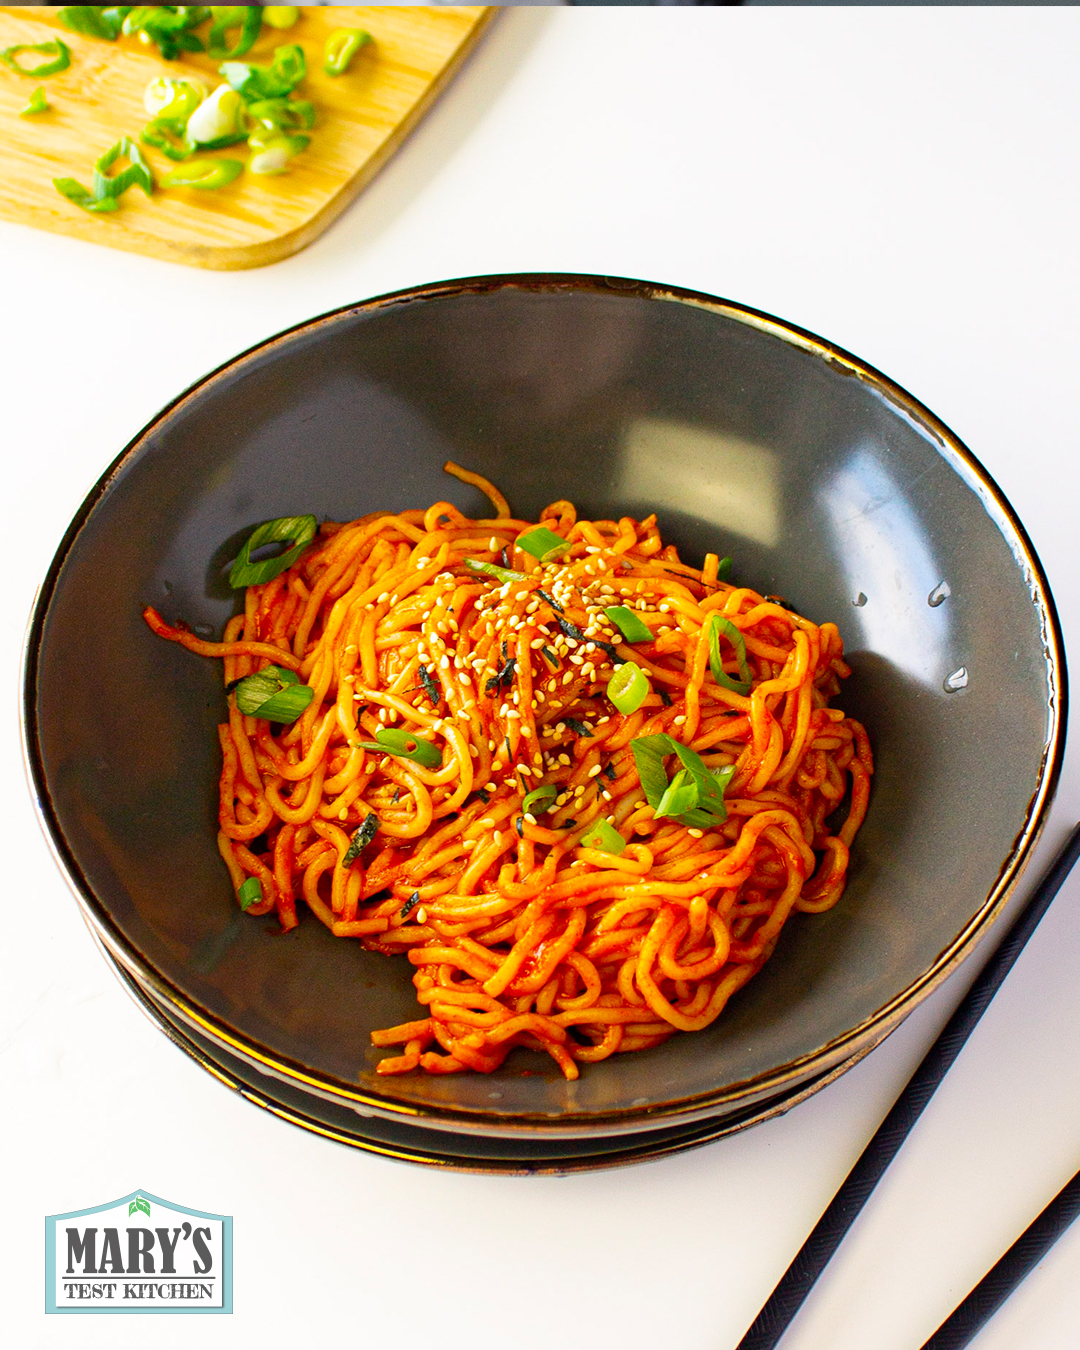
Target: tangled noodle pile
<point>520,933</point>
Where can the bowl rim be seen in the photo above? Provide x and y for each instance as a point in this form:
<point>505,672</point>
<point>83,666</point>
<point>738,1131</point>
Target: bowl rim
<point>848,1044</point>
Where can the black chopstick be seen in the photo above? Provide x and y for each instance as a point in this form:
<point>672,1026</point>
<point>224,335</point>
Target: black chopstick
<point>1018,1262</point>
<point>818,1249</point>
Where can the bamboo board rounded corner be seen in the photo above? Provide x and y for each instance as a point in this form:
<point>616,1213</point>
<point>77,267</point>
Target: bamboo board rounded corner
<point>364,116</point>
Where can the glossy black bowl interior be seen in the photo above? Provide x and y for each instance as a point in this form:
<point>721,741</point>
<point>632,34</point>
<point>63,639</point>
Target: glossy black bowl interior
<point>829,486</point>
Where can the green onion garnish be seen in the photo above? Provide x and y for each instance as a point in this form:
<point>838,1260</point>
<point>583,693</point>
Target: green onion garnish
<point>250,893</point>
<point>107,189</point>
<point>171,104</point>
<point>723,568</point>
<point>490,570</point>
<point>80,196</point>
<point>216,121</point>
<point>281,114</point>
<point>718,625</point>
<point>681,795</point>
<point>204,173</point>
<point>603,837</point>
<point>628,623</point>
<point>37,103</point>
<point>405,745</point>
<point>300,530</point>
<point>274,694</point>
<point>248,18</point>
<point>163,136</point>
<point>93,20</point>
<point>281,77</point>
<point>166,25</point>
<point>281,16</point>
<point>271,153</point>
<point>59,51</point>
<point>629,687</point>
<point>700,807</point>
<point>172,100</point>
<point>137,173</point>
<point>360,840</point>
<point>543,544</point>
<point>540,797</point>
<point>341,47</point>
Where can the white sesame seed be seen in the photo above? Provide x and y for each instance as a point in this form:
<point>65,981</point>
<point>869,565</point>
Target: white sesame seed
<point>421,915</point>
<point>695,834</point>
<point>679,721</point>
<point>593,771</point>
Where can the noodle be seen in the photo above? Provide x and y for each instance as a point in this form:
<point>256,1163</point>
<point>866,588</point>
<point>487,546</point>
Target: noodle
<point>518,933</point>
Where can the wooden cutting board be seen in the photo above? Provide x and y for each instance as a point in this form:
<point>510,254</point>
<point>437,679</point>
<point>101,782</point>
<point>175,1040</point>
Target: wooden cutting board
<point>363,116</point>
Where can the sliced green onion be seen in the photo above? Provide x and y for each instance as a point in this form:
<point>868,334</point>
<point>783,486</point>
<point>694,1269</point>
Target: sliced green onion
<point>602,836</point>
<point>629,687</point>
<point>628,624</point>
<point>166,25</point>
<point>705,807</point>
<point>649,752</point>
<point>248,18</point>
<point>94,20</point>
<point>490,570</point>
<point>250,893</point>
<point>681,795</point>
<point>540,797</point>
<point>173,100</point>
<point>281,114</point>
<point>274,694</point>
<point>723,568</point>
<point>163,136</point>
<point>718,625</point>
<point>80,196</point>
<point>59,51</point>
<point>216,120</point>
<point>271,154</point>
<point>137,173</point>
<point>281,16</point>
<point>341,47</point>
<point>543,544</point>
<point>204,173</point>
<point>299,530</point>
<point>405,745</point>
<point>360,840</point>
<point>281,77</point>
<point>37,103</point>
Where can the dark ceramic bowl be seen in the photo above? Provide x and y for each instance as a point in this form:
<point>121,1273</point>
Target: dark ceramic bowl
<point>828,484</point>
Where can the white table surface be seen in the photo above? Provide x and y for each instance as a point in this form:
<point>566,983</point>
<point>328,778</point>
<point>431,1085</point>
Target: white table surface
<point>903,181</point>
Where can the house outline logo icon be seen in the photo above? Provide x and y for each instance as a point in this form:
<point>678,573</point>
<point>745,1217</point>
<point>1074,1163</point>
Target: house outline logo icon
<point>138,1254</point>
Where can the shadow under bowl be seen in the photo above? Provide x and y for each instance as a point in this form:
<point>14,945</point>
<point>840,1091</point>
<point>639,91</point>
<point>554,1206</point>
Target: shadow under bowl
<point>828,484</point>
